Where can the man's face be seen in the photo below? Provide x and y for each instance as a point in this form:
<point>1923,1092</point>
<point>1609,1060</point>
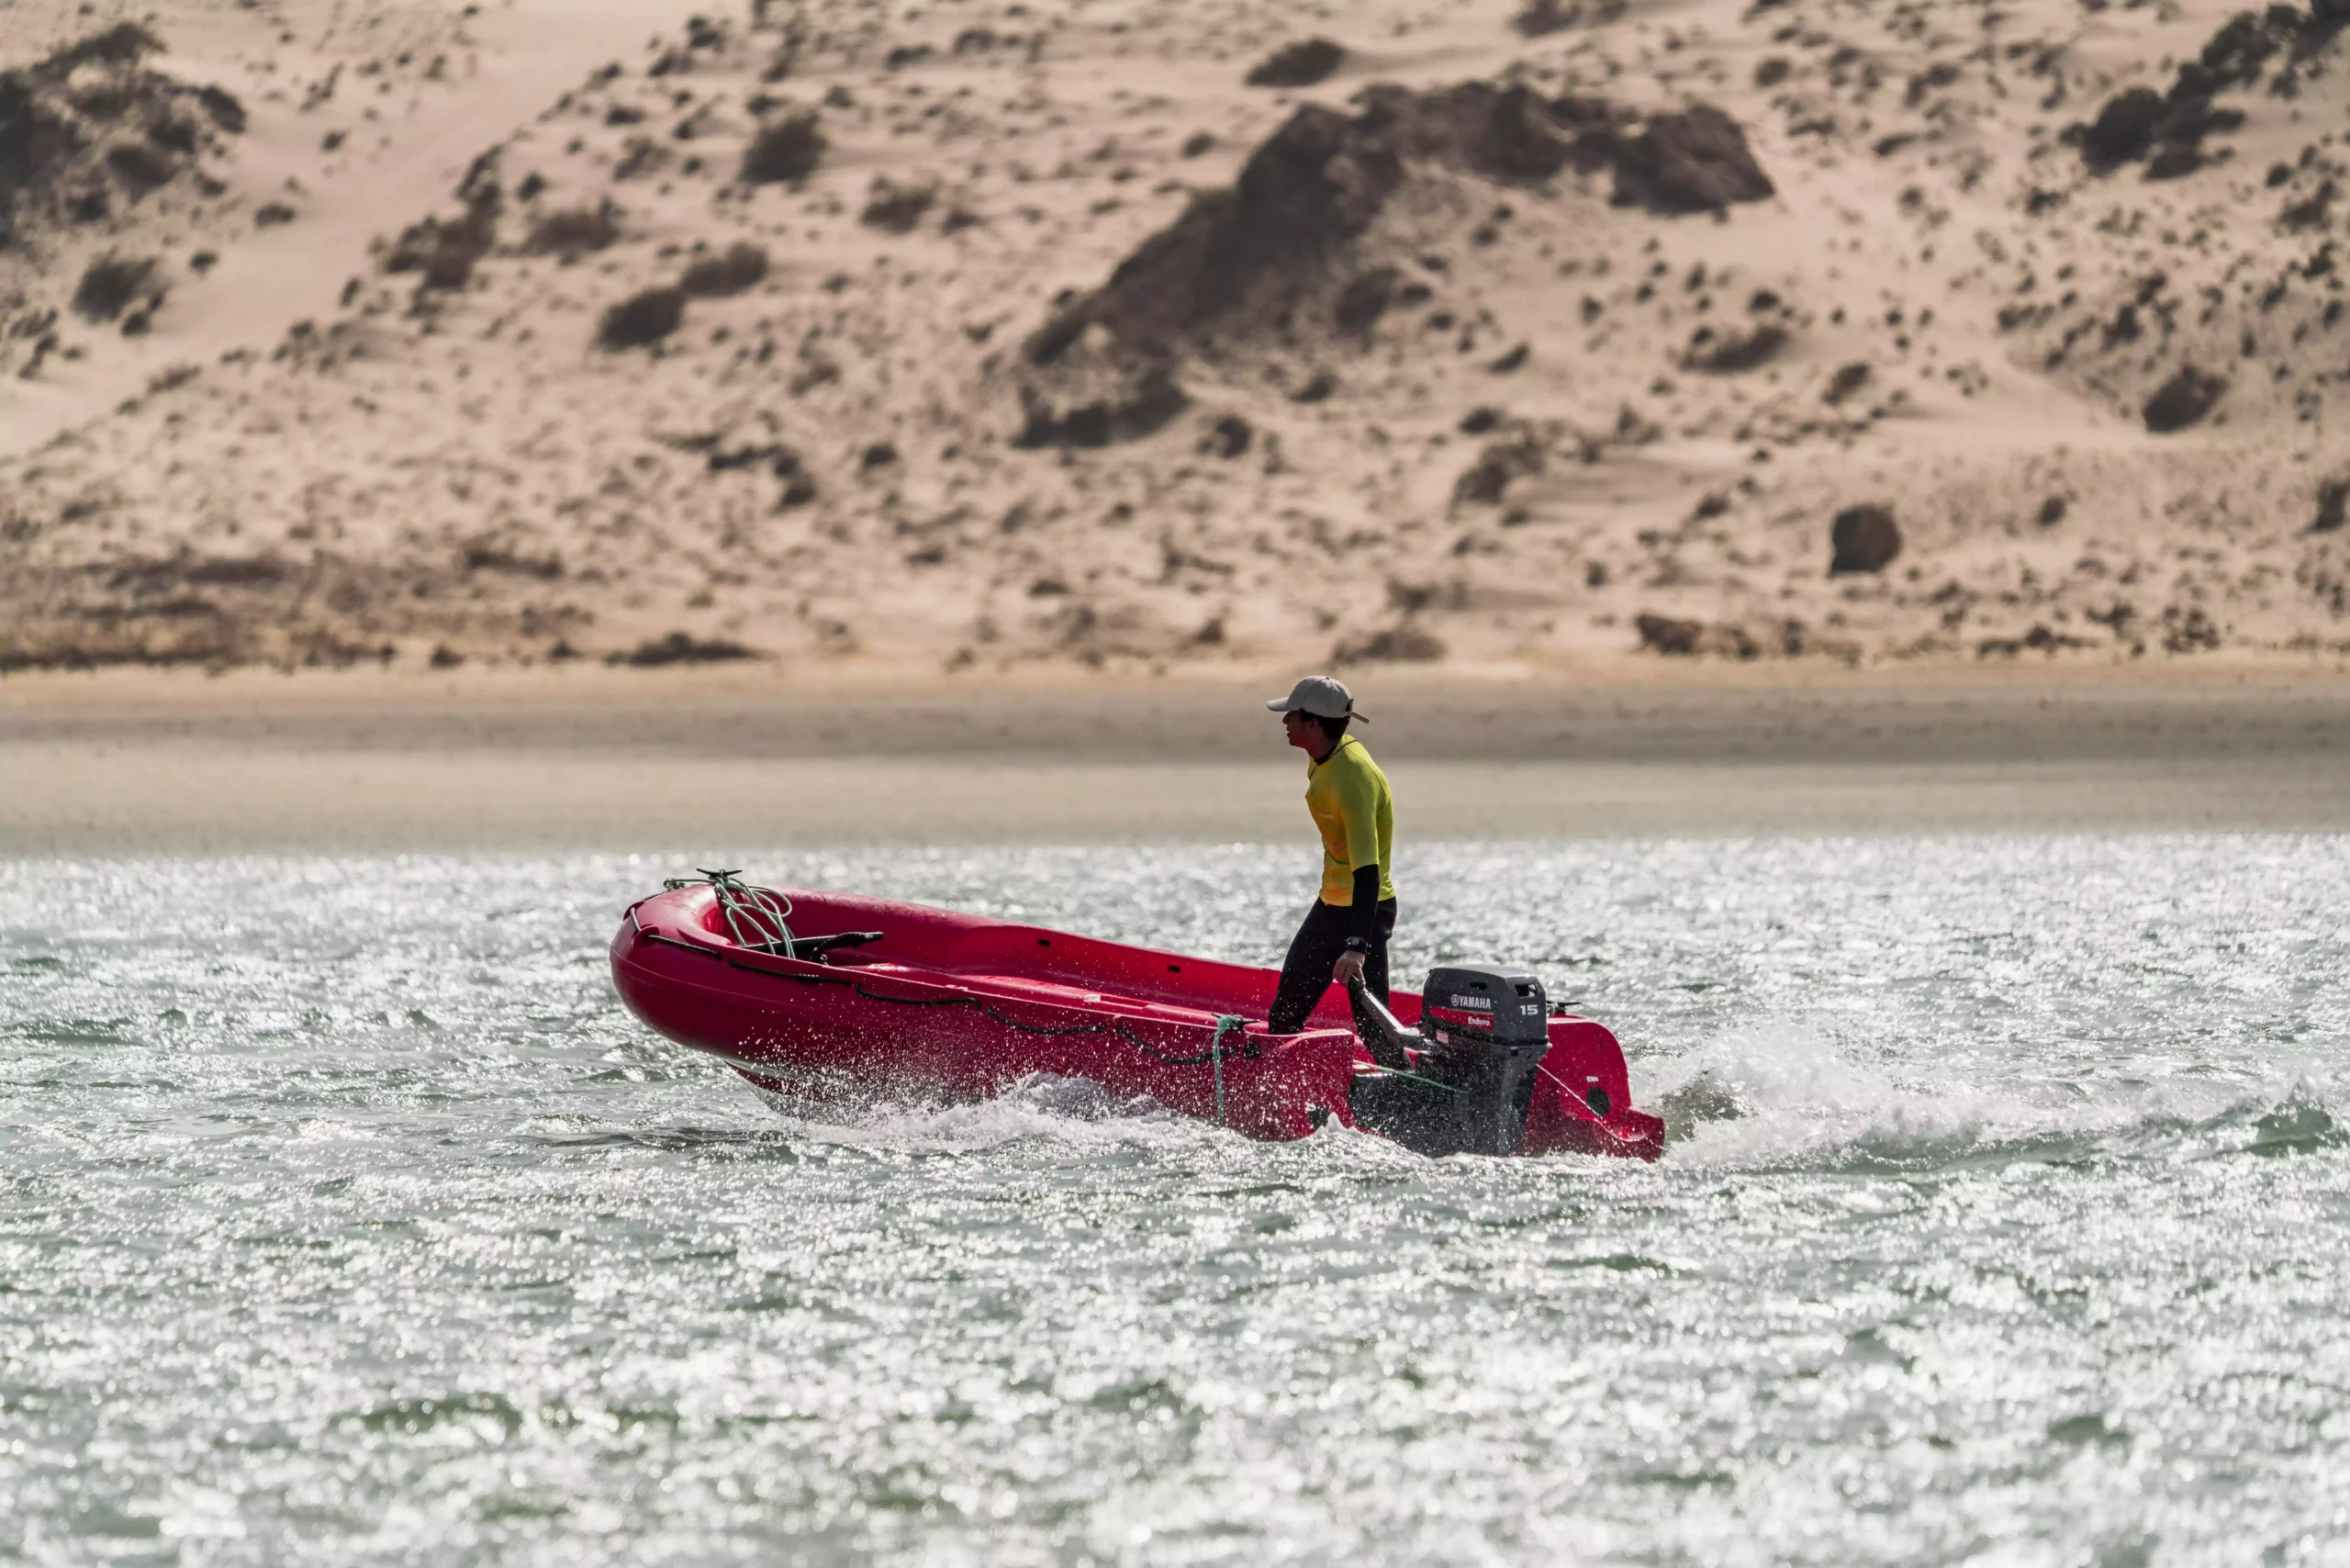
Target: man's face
<point>1304,733</point>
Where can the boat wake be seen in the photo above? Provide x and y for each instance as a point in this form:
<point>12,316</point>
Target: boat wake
<point>1796,1098</point>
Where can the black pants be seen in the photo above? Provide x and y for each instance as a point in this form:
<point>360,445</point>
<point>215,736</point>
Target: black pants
<point>1314,951</point>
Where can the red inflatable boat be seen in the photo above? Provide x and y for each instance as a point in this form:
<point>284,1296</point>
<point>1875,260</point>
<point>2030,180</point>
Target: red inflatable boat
<point>833,998</point>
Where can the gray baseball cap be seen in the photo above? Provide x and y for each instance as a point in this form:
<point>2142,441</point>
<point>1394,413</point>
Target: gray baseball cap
<point>1321,695</point>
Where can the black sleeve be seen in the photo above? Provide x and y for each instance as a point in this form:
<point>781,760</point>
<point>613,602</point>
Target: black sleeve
<point>1362,930</point>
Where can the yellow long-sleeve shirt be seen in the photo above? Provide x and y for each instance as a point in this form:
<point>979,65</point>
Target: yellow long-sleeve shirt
<point>1356,813</point>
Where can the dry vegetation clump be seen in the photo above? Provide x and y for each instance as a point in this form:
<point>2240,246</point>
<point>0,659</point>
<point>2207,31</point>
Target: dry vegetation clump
<point>140,165</point>
<point>1542,18</point>
<point>1484,482</point>
<point>111,283</point>
<point>2332,506</point>
<point>1393,645</point>
<point>1732,352</point>
<point>223,105</point>
<point>574,231</point>
<point>643,319</point>
<point>895,208</point>
<point>485,555</point>
<point>681,648</point>
<point>125,43</point>
<point>172,131</point>
<point>784,149</point>
<point>443,251</point>
<point>733,271</point>
<point>1300,65</point>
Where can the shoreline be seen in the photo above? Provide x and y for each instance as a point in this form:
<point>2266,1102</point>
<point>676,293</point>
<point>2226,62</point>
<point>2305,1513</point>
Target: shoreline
<point>383,762</point>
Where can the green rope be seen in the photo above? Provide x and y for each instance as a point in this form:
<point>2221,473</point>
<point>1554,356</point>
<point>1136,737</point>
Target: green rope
<point>763,910</point>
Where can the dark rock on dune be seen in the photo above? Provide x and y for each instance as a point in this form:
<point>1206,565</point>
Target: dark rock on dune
<point>1323,177</point>
<point>1696,161</point>
<point>1477,422</point>
<point>1863,539</point>
<point>1664,635</point>
<point>2183,400</point>
<point>1318,389</point>
<point>1300,65</point>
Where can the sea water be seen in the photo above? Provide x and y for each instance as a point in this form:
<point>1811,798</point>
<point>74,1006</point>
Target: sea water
<point>345,1215</point>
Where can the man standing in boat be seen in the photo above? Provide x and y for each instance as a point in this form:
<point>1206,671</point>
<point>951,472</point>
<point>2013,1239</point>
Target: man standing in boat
<point>1345,934</point>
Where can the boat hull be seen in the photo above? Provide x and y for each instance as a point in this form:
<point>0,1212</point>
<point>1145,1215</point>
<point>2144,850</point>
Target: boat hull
<point>956,1005</point>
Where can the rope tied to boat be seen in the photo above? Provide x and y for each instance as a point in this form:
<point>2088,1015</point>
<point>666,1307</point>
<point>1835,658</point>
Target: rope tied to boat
<point>1230,1024</point>
<point>754,916</point>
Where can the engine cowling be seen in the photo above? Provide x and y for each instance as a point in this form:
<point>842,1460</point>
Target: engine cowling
<point>1461,1081</point>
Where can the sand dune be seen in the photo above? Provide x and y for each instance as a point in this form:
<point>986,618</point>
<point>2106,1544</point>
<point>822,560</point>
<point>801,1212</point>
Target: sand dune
<point>987,337</point>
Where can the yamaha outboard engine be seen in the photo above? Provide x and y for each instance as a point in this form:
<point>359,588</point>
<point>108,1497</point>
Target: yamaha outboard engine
<point>1459,1083</point>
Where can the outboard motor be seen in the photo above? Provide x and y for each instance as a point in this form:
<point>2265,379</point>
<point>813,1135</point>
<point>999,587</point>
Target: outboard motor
<point>1459,1083</point>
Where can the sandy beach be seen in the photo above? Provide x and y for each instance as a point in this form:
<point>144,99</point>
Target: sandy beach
<point>702,763</point>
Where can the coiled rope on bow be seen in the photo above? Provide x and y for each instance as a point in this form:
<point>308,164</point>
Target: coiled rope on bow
<point>756,916</point>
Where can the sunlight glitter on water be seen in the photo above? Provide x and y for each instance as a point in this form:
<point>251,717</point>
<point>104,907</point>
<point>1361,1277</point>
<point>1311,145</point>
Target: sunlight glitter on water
<point>345,1215</point>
